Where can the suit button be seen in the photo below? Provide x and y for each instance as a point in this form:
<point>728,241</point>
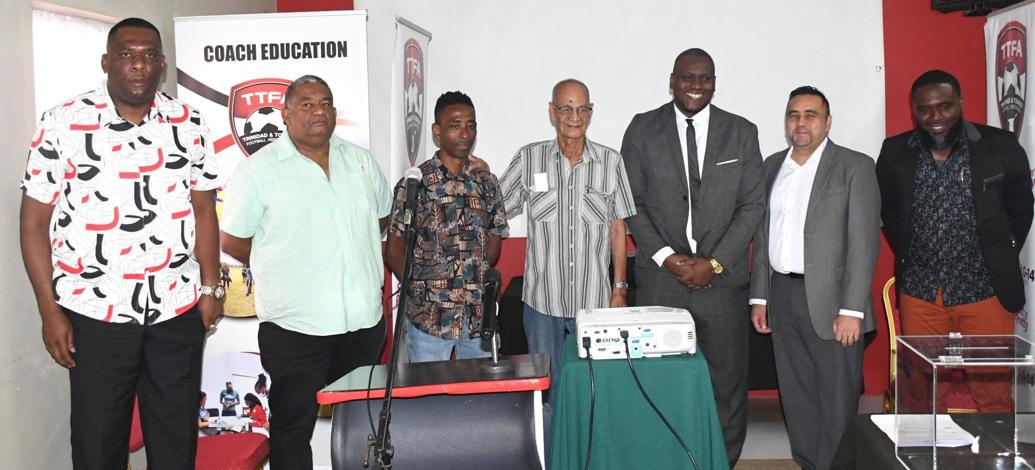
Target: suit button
<point>684,198</point>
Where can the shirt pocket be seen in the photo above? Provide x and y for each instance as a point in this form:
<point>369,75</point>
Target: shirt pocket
<point>595,206</point>
<point>353,190</point>
<point>542,207</point>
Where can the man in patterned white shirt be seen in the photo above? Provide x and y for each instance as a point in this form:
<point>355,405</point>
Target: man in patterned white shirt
<point>121,244</point>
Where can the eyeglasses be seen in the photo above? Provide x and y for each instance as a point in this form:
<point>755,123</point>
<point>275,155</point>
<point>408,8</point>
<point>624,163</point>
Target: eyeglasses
<point>567,111</point>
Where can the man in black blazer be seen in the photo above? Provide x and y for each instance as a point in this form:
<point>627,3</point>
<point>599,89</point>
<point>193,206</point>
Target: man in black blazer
<point>957,206</point>
<point>696,177</point>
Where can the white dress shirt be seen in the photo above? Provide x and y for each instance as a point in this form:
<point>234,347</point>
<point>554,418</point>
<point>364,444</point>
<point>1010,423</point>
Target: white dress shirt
<point>788,206</point>
<point>701,120</point>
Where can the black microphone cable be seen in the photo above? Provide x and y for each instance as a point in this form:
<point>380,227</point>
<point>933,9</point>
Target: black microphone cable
<point>592,398</point>
<point>628,358</point>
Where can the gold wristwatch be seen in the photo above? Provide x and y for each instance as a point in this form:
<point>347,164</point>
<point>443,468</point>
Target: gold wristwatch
<point>716,266</point>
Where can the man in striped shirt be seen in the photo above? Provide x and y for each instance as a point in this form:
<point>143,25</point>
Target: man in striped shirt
<point>576,194</point>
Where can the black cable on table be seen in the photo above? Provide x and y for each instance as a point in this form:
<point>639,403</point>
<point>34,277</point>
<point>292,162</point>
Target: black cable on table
<point>628,358</point>
<point>592,398</point>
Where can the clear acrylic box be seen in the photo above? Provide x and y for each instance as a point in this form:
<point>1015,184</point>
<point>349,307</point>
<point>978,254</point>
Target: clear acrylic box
<point>964,402</point>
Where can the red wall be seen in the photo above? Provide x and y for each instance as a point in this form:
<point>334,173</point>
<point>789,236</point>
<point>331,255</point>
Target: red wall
<point>284,6</point>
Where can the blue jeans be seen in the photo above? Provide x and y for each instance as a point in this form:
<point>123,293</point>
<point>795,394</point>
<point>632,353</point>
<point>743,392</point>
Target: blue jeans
<point>546,335</point>
<point>424,347</point>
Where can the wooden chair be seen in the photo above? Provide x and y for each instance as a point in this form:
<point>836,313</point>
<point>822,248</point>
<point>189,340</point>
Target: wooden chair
<point>891,313</point>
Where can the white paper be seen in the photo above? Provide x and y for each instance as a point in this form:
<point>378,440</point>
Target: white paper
<point>915,430</point>
<point>540,183</point>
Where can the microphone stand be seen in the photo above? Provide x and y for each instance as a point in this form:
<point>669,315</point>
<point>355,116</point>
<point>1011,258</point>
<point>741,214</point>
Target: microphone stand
<point>490,293</point>
<point>382,442</point>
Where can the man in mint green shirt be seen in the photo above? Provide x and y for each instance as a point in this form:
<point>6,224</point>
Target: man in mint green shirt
<point>306,213</point>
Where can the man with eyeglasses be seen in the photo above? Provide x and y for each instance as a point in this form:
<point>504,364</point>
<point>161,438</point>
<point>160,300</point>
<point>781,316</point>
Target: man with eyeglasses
<point>696,176</point>
<point>576,194</point>
<point>309,199</point>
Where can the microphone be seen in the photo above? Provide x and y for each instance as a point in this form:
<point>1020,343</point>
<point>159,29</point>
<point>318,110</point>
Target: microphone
<point>413,178</point>
<point>490,291</point>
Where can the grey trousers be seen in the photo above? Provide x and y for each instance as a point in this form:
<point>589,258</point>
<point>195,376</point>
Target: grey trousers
<point>820,380</point>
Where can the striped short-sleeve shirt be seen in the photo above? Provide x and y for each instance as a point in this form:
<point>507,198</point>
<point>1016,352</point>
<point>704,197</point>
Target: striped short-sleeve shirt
<point>570,210</point>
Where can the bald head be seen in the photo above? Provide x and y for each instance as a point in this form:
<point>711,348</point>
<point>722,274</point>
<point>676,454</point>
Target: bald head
<point>566,83</point>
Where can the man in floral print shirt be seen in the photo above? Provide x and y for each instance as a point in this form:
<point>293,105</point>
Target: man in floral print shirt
<point>459,221</point>
<point>120,241</point>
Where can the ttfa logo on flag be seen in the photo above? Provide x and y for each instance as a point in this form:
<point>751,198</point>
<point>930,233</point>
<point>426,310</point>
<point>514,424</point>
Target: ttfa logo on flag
<point>413,97</point>
<point>1011,72</point>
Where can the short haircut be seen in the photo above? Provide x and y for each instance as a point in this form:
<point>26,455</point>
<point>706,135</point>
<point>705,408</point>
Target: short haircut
<point>229,383</point>
<point>303,80</point>
<point>450,98</point>
<point>692,52</point>
<point>935,77</point>
<point>134,23</point>
<point>202,396</point>
<point>567,81</point>
<point>813,91</point>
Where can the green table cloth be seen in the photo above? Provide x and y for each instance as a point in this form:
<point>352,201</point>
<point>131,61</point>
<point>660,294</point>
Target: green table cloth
<point>627,434</point>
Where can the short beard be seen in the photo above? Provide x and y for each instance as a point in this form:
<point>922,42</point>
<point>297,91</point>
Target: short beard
<point>944,141</point>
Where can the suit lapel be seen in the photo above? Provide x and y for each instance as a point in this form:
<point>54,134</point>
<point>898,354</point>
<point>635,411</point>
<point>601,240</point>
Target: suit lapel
<point>826,167</point>
<point>977,147</point>
<point>772,169</point>
<point>717,137</point>
<point>666,128</point>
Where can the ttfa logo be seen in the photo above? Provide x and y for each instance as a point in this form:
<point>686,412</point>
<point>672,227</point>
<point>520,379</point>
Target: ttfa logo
<point>413,97</point>
<point>254,107</point>
<point>1011,72</point>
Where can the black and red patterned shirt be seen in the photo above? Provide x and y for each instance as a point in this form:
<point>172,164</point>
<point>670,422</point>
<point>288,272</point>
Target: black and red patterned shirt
<point>945,250</point>
<point>122,233</point>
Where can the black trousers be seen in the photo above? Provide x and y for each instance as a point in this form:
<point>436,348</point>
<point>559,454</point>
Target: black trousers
<point>299,366</point>
<point>161,364</point>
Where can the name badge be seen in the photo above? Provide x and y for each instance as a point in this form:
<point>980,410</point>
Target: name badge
<point>540,183</point>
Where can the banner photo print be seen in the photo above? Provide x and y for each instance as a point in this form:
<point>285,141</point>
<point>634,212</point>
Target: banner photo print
<point>236,70</point>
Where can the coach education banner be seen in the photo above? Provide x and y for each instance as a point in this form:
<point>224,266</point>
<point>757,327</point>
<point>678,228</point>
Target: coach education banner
<point>235,70</point>
<point>1008,41</point>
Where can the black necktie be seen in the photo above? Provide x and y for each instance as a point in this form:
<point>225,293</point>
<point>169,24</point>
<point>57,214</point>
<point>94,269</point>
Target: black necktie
<point>691,151</point>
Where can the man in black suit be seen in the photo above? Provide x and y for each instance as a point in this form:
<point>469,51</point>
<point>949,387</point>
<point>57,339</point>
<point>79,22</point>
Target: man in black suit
<point>957,206</point>
<point>696,176</point>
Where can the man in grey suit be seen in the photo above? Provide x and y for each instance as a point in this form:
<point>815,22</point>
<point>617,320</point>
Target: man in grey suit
<point>810,285</point>
<point>696,177</point>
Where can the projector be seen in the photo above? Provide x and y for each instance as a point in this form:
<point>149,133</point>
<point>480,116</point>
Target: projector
<point>653,332</point>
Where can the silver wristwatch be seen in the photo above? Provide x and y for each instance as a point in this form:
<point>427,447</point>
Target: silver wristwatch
<point>621,285</point>
<point>216,291</point>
